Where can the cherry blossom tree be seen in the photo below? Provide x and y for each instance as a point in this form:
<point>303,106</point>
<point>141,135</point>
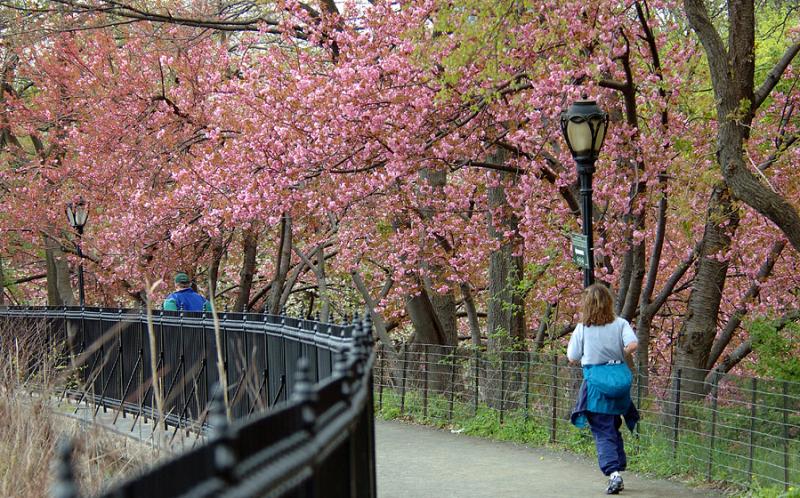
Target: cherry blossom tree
<point>408,156</point>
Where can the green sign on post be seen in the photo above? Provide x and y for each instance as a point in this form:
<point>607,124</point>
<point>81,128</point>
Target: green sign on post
<point>580,250</point>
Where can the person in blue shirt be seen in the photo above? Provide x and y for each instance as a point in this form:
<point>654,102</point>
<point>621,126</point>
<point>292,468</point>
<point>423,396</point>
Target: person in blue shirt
<point>185,298</point>
<point>602,343</point>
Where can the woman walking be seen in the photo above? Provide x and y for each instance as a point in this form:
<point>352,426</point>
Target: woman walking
<point>601,343</point>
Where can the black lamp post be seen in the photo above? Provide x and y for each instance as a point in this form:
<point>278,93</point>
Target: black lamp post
<point>584,127</point>
<point>77,214</point>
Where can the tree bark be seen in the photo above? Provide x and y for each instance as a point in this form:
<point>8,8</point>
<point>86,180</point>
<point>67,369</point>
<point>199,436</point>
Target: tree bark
<point>427,328</point>
<point>700,322</point>
<point>505,310</point>
<point>2,284</point>
<point>444,304</point>
<point>472,314</point>
<point>217,251</point>
<point>505,314</point>
<point>59,287</point>
<point>283,259</point>
<point>322,284</point>
<point>544,327</point>
<point>377,318</point>
<point>647,310</point>
<point>246,274</point>
<point>318,268</point>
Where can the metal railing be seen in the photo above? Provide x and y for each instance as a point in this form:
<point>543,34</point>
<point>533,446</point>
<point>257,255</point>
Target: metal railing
<point>735,429</point>
<point>319,438</point>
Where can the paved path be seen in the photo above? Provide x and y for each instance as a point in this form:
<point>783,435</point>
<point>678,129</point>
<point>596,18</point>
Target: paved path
<point>144,431</point>
<point>420,462</point>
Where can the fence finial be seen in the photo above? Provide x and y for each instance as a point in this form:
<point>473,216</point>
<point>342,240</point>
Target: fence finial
<point>366,325</point>
<point>64,483</point>
<point>355,349</point>
<point>304,392</point>
<point>340,366</point>
<point>224,453</point>
<point>341,369</point>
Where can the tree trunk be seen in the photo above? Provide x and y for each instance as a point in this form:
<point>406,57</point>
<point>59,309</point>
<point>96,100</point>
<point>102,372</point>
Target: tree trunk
<point>648,309</point>
<point>377,318</point>
<point>505,314</point>
<point>318,267</point>
<point>427,328</point>
<point>2,284</point>
<point>472,314</point>
<point>700,322</point>
<point>217,251</point>
<point>250,249</point>
<point>59,287</point>
<point>634,291</point>
<point>322,285</point>
<point>281,265</point>
<point>505,310</point>
<point>544,327</point>
<point>429,339</point>
<point>444,304</point>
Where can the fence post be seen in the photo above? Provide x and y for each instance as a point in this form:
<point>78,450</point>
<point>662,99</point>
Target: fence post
<point>224,455</point>
<point>477,374</point>
<point>527,381</point>
<point>140,394</point>
<point>554,400</point>
<point>121,364</point>
<point>502,385</point>
<point>785,435</point>
<point>369,413</point>
<point>714,395</point>
<point>452,384</point>
<point>403,379</point>
<point>753,391</point>
<point>425,385</point>
<point>677,414</point>
<point>381,359</point>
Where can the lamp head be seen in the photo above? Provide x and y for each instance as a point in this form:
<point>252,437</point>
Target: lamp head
<point>584,126</point>
<point>77,213</point>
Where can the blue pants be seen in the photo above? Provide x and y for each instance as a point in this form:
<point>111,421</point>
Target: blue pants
<point>608,441</point>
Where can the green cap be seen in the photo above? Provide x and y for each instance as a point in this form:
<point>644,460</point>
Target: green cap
<point>181,278</point>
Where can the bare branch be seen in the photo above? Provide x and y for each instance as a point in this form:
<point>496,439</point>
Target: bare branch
<point>775,75</point>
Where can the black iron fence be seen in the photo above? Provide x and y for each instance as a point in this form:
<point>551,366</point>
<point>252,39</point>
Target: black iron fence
<point>737,429</point>
<point>319,439</point>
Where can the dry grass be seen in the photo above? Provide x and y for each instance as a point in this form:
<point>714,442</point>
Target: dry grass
<point>31,425</point>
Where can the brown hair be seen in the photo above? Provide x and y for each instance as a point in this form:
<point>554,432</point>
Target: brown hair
<point>598,306</point>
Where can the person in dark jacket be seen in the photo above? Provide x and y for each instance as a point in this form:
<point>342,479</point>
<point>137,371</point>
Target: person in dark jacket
<point>185,298</point>
<point>602,343</point>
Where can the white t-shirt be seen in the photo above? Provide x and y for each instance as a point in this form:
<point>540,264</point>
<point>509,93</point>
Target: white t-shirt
<point>599,344</point>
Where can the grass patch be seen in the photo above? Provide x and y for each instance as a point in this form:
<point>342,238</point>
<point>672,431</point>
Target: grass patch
<point>33,425</point>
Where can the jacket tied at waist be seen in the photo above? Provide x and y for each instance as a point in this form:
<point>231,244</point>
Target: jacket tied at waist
<point>605,389</point>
